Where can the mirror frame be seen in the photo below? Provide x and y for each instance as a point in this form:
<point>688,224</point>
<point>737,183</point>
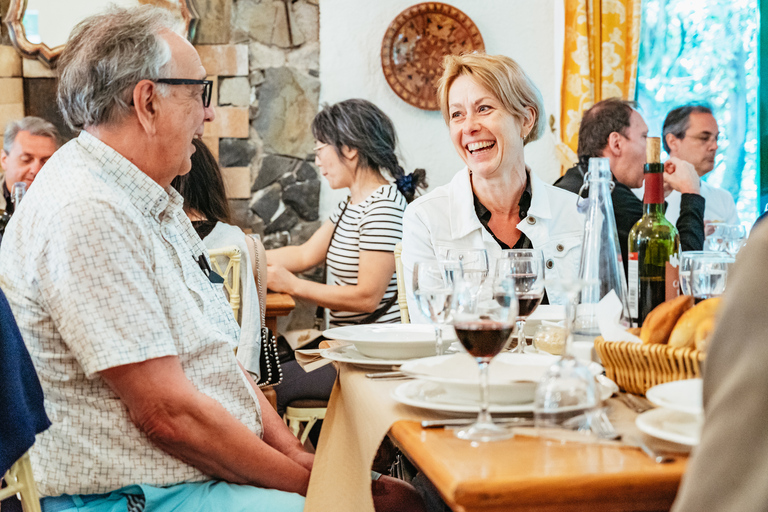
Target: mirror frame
<point>48,56</point>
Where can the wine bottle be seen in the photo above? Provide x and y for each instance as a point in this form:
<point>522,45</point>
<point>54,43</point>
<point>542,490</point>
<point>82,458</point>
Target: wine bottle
<point>654,245</point>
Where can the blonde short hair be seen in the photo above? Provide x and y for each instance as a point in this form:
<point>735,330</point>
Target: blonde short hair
<point>500,75</point>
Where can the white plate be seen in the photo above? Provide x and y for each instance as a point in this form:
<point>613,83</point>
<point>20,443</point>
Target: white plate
<point>679,395</point>
<point>675,426</point>
<point>349,354</point>
<point>391,341</point>
<point>513,377</point>
<point>433,396</point>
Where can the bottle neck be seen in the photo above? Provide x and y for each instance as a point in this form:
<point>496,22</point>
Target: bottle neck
<point>653,200</point>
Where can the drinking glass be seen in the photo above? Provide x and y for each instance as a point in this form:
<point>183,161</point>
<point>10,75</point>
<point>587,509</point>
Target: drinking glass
<point>735,236</point>
<point>568,388</point>
<point>474,266</point>
<point>433,286</point>
<point>686,257</point>
<point>709,275</point>
<point>526,268</point>
<point>484,328</point>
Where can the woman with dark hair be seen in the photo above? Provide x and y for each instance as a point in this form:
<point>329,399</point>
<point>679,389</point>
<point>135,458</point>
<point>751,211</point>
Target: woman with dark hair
<point>355,146</point>
<point>206,205</point>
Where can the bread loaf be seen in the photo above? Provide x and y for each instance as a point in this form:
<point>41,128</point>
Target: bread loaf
<point>696,323</point>
<point>704,334</point>
<point>660,322</point>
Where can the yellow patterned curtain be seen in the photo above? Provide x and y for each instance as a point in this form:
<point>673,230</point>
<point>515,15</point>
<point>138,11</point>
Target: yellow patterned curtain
<point>600,60</point>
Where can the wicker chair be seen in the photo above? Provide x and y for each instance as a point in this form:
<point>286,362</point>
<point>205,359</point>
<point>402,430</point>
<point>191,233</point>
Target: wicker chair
<point>19,479</point>
<point>401,297</point>
<point>230,273</point>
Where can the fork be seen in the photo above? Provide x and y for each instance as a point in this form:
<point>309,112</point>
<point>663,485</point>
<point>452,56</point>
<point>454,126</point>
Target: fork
<point>635,403</point>
<point>602,426</point>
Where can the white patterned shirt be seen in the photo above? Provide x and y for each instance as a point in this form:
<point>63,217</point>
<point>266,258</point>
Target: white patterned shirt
<point>99,267</point>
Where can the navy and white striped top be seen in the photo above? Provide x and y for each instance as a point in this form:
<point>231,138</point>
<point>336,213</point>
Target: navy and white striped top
<point>375,224</point>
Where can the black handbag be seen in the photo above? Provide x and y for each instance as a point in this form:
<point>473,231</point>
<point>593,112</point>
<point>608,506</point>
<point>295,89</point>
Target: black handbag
<point>270,371</point>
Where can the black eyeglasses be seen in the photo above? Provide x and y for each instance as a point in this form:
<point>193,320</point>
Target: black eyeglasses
<point>207,86</point>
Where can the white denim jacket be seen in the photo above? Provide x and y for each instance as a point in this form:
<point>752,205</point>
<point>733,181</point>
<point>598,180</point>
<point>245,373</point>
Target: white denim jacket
<point>446,217</point>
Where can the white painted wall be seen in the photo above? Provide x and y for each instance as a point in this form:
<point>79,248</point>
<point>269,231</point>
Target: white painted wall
<point>351,31</point>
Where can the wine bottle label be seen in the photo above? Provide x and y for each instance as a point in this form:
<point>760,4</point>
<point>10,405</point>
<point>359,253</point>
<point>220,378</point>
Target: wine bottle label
<point>671,280</point>
<point>632,281</point>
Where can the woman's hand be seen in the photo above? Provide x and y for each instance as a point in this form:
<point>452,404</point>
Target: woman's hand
<point>280,280</point>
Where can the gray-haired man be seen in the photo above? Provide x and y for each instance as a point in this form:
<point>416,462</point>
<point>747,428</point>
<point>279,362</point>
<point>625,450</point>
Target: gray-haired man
<point>132,342</point>
<point>27,144</point>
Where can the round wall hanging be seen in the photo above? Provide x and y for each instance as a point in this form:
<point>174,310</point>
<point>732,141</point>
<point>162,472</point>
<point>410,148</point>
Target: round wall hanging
<point>414,46</point>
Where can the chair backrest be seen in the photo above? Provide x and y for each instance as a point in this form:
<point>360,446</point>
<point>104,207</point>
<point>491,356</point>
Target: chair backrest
<point>401,298</point>
<point>19,479</point>
<point>231,274</point>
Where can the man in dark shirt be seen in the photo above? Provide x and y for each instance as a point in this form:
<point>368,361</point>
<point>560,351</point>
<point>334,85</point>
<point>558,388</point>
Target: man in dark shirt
<point>613,129</point>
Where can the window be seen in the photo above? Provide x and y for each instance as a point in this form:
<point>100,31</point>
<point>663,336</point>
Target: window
<point>705,51</point>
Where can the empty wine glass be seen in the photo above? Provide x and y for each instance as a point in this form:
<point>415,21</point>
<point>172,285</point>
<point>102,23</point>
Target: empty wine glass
<point>484,328</point>
<point>526,268</point>
<point>474,266</point>
<point>568,388</point>
<point>433,285</point>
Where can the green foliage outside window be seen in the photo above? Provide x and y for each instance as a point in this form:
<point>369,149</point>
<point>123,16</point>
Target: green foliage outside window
<point>705,51</point>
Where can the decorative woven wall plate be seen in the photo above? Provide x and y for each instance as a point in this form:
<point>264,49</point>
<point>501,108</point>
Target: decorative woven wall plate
<point>414,46</point>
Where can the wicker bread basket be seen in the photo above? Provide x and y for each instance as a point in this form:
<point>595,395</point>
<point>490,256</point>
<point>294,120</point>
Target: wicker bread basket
<point>636,367</point>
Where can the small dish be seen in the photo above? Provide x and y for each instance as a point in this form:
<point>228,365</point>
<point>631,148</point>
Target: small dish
<point>675,426</point>
<point>680,395</point>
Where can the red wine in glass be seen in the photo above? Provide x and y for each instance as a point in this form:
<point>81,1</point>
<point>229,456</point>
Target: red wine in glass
<point>527,304</point>
<point>483,339</point>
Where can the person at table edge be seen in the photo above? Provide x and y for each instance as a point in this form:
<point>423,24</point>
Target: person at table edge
<point>492,109</point>
<point>132,341</point>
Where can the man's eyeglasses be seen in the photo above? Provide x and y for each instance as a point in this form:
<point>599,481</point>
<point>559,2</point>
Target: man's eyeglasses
<point>207,86</point>
<point>317,148</point>
<point>706,138</point>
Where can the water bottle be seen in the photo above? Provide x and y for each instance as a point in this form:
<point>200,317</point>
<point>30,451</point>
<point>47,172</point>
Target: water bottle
<point>600,267</point>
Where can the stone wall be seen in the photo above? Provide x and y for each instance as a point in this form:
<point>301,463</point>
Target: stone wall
<point>279,197</point>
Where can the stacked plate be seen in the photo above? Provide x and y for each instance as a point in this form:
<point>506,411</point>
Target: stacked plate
<point>680,414</point>
<point>384,345</point>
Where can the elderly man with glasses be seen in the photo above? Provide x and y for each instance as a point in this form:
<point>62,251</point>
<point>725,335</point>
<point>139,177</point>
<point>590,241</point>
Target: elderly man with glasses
<point>132,341</point>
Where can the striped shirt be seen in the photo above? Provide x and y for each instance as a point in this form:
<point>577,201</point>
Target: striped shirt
<point>375,224</point>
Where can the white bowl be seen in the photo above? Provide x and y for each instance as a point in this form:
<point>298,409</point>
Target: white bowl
<point>391,341</point>
<point>545,312</point>
<point>513,377</point>
<point>680,395</point>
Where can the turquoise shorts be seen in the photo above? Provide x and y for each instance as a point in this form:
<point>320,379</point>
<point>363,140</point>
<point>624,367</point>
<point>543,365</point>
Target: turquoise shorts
<point>189,497</point>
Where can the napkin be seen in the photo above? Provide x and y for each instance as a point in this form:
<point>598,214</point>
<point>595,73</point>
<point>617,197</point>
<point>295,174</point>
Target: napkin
<point>608,320</point>
<point>310,359</point>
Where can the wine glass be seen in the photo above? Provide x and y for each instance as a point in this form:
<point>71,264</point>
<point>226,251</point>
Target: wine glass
<point>484,328</point>
<point>568,388</point>
<point>433,284</point>
<point>526,267</point>
<point>734,237</point>
<point>474,266</point>
<point>686,257</point>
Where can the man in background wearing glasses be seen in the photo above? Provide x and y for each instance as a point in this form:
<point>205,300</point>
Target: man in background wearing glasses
<point>690,133</point>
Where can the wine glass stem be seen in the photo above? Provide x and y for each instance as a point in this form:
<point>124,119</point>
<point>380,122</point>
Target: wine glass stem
<point>484,416</point>
<point>439,340</point>
<point>521,344</point>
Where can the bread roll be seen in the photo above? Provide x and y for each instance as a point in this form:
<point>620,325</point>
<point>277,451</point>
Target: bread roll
<point>704,334</point>
<point>662,319</point>
<point>685,332</point>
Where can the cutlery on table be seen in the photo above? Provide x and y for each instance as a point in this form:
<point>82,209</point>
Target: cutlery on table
<point>461,422</point>
<point>658,458</point>
<point>637,404</point>
<point>395,375</point>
